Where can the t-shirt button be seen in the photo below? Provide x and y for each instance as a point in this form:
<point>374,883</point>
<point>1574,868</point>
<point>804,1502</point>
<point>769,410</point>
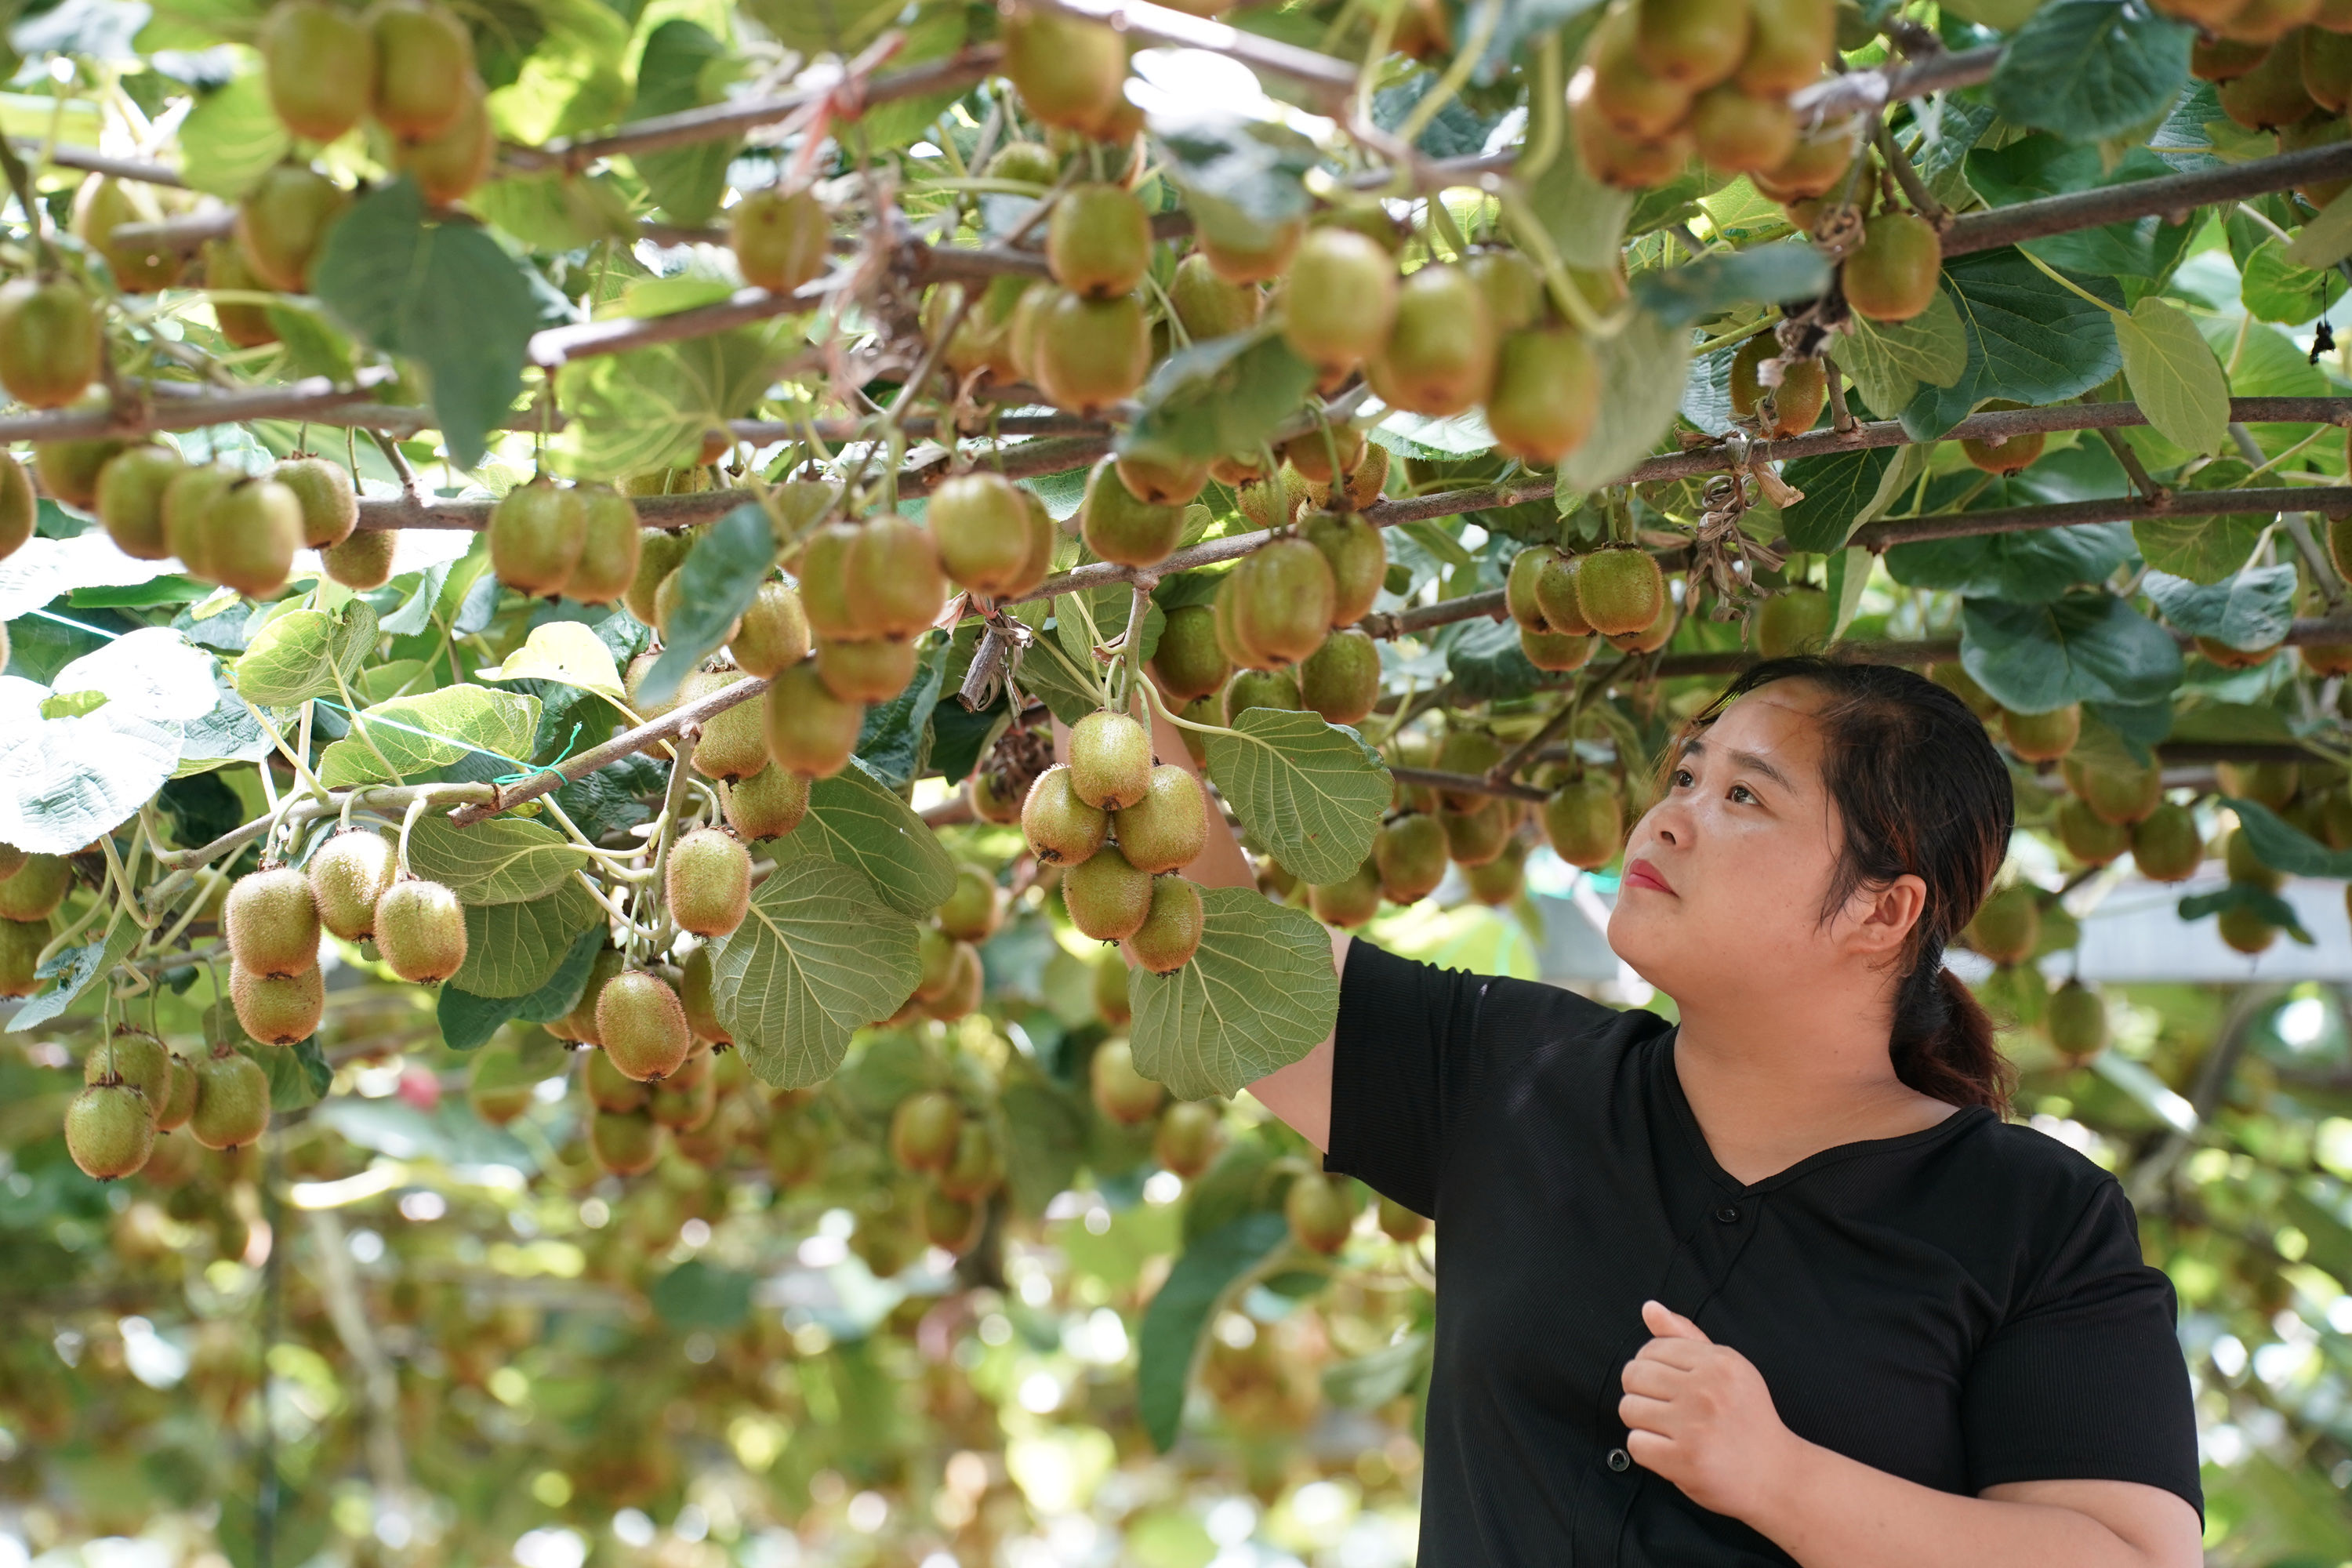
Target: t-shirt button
<point>1728,1213</point>
<point>1619,1459</point>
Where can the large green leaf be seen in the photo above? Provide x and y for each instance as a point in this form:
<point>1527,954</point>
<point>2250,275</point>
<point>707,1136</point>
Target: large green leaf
<point>1890,361</point>
<point>719,578</point>
<point>1485,663</point>
<point>2174,377</point>
<point>816,957</point>
<point>444,294</point>
<point>1259,995</point>
<point>1644,366</point>
<point>2252,610</point>
<point>2033,167</point>
<point>2201,549</point>
<point>895,740</point>
<point>565,651</point>
<point>2284,847</point>
<point>2030,340</point>
<point>1764,275</point>
<point>684,66</point>
<point>1310,793</point>
<point>1223,395</point>
<point>2272,910</point>
<point>1169,1338</point>
<point>513,949</point>
<point>503,861</point>
<point>856,820</point>
<point>231,138</point>
<point>699,1295</point>
<point>2083,647</point>
<point>1840,493</point>
<point>650,408</point>
<point>1585,218</point>
<point>299,653</point>
<point>2024,568</point>
<point>469,1021</point>
<point>417,734</point>
<point>2090,69</point>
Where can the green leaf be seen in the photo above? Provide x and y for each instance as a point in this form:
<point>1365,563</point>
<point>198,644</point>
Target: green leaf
<point>2325,239</point>
<point>2026,568</point>
<point>513,949</point>
<point>1585,218</point>
<point>555,212</point>
<point>299,1074</point>
<point>2274,289</point>
<point>503,861</point>
<point>2283,846</point>
<point>469,1021</point>
<point>1840,492</point>
<point>829,28</point>
<point>1485,663</point>
<point>1259,995</point>
<point>699,1295</point>
<point>676,73</point>
<point>1311,792</point>
<point>650,408</point>
<point>719,579</point>
<point>1170,1338</point>
<point>1223,395</point>
<point>231,138</point>
<point>417,734</point>
<point>1644,366</point>
<point>2042,165</point>
<point>2201,549</point>
<point>1889,363</point>
<point>2030,339</point>
<point>564,651</point>
<point>443,294</point>
<point>815,958</point>
<point>1241,177</point>
<point>856,820</point>
<point>1766,275</point>
<point>2252,610</point>
<point>2174,377</point>
<point>895,736</point>
<point>2274,910</point>
<point>299,652</point>
<point>1046,1130</point>
<point>73,969</point>
<point>2087,69</point>
<point>2083,648</point>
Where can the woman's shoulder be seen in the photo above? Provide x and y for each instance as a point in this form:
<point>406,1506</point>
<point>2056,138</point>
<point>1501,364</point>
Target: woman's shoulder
<point>1508,1016</point>
<point>2039,1205</point>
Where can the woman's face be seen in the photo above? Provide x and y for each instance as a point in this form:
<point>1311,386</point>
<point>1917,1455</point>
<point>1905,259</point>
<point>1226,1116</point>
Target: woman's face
<point>1725,875</point>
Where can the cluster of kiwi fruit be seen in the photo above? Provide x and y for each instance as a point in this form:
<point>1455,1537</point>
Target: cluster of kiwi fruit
<point>134,1088</point>
<point>407,65</point>
<point>1117,825</point>
<point>935,1137</point>
<point>353,887</point>
<point>32,887</point>
<point>2283,66</point>
<point>575,541</point>
<point>705,1105</point>
<point>238,530</point>
<point>948,949</point>
<point>1191,1133</point>
<point>1562,601</point>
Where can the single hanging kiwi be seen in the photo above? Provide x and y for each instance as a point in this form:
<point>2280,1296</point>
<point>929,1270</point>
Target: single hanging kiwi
<point>2008,454</point>
<point>1162,475</point>
<point>104,206</point>
<point>623,1143</point>
<point>1350,901</point>
<point>1793,621</point>
<point>1893,275</point>
<point>1555,651</point>
<point>708,882</point>
<point>365,559</point>
<point>331,505</point>
<point>1090,353</point>
<point>1283,595</point>
<point>2043,736</point>
<point>1190,1136</point>
<point>1359,558</point>
<point>231,1101</point>
<point>537,531</point>
<point>48,340</point>
<point>420,930</point>
<point>1695,42</point>
<point>423,67</point>
<point>981,525</point>
<point>2008,925</point>
<point>1061,827</point>
<point>1628,96</point>
<point>347,874</point>
<point>130,499</point>
<point>1475,838</point>
<point>132,1057</point>
<point>35,889</point>
<point>1410,857</point>
<point>1738,134</point>
<point>68,470</point>
<point>768,804</point>
<point>1167,828</point>
<point>109,1131</point>
<point>1110,759</point>
<point>1779,412</point>
<point>1209,307</point>
<point>1257,689</point>
<point>1619,591</point>
<point>1340,300</point>
<point>1439,358</point>
<point>1097,240</point>
<point>696,981</point>
<point>19,510</point>
<point>1070,71</point>
<point>271,923</point>
<point>809,730</point>
<point>2166,844</point>
<point>643,1025</point>
<point>20,950</point>
<point>251,533</point>
<point>1342,679</point>
<point>781,238</point>
<point>280,1010</point>
<point>1188,663</point>
<point>892,575</point>
<point>580,1025</point>
<point>188,502</point>
<point>1585,822</point>
<point>924,1128</point>
<point>773,633</point>
<point>872,670</point>
<point>244,324</point>
<point>318,60</point>
<point>1546,394</point>
<point>283,222</point>
<point>1250,252</point>
<point>1791,43</point>
<point>1520,587</point>
<point>972,910</point>
<point>1107,896</point>
<point>2086,836</point>
<point>1121,528</point>
<point>179,1101</point>
<point>447,166</point>
<point>1172,929</point>
<point>610,544</point>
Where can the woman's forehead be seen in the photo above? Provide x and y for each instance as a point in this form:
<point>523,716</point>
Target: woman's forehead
<point>1781,722</point>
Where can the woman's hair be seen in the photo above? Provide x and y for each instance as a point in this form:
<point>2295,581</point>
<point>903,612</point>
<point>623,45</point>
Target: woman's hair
<point>1921,791</point>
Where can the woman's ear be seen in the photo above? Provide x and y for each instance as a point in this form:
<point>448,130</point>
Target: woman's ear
<point>1887,914</point>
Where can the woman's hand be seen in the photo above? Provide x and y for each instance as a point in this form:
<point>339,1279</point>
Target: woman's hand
<point>1701,1417</point>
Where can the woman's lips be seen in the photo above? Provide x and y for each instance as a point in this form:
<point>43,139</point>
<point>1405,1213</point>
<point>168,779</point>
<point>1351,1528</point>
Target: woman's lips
<point>1642,874</point>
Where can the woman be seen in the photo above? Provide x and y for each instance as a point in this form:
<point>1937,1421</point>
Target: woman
<point>1778,1283</point>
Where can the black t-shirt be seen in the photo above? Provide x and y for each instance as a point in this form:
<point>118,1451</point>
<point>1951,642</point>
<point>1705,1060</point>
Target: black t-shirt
<point>1962,1306</point>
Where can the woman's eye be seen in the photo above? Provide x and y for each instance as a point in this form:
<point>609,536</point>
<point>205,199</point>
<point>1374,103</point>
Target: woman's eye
<point>1742,793</point>
<point>1683,779</point>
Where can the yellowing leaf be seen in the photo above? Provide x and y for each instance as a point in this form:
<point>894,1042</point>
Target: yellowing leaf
<point>2174,377</point>
<point>563,651</point>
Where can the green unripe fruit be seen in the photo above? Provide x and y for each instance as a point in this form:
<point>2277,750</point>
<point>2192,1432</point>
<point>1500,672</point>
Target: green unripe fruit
<point>1318,1213</point>
<point>981,526</point>
<point>949,1222</point>
<point>643,1027</point>
<point>1962,685</point>
<point>1110,989</point>
<point>871,671</point>
<point>320,62</point>
<point>1167,828</point>
<point>1620,592</point>
<point>773,634</point>
<point>2077,1021</point>
<point>250,535</point>
<point>420,930</point>
<point>2272,785</point>
<point>1162,477</point>
<point>1191,1133</point>
<point>1359,558</point>
<point>20,950</point>
<point>331,506</point>
<point>623,1143</point>
<point>611,1090</point>
<point>1349,902</point>
<point>1472,751</point>
<point>1097,240</point>
<point>579,1024</point>
<point>135,1057</point>
<point>610,544</point>
<point>973,908</point>
<point>35,889</point>
<point>108,1131</point>
<point>2088,837</point>
<point>1322,455</point>
<point>49,342</point>
<point>2121,795</point>
<point>1892,276</point>
<point>659,553</point>
<point>935,953</point>
<point>232,1102</point>
<point>2009,925</point>
<point>2244,866</point>
<point>1341,300</point>
<point>1342,679</point>
<point>1695,42</point>
<point>1500,880</point>
<point>2245,930</point>
<point>363,561</point>
<point>537,531</point>
<point>279,1010</point>
<point>283,222</point>
<point>809,730</point>
<point>68,470</point>
<point>104,206</point>
<point>1400,1223</point>
<point>768,804</point>
<point>1068,70</point>
<point>1110,759</point>
<point>1439,358</point>
<point>1519,586</point>
<point>1790,44</point>
<point>686,1103</point>
<point>1090,353</point>
<point>1107,896</point>
<point>1263,688</point>
<point>964,988</point>
<point>924,1130</point>
<point>2165,846</point>
<point>1120,1092</point>
<point>271,922</point>
<point>179,1100</point>
<point>19,510</point>
<point>2043,736</point>
<point>708,882</point>
<point>1120,528</point>
<point>1188,663</point>
<point>497,1088</point>
<point>1209,307</point>
<point>1032,163</point>
<point>1513,287</point>
<point>1411,856</point>
<point>1585,822</point>
<point>890,571</point>
<point>1552,651</point>
<point>975,1170</point>
<point>781,238</point>
<point>1793,621</point>
<point>423,67</point>
<point>695,980</point>
<point>1278,604</point>
<point>1788,409</point>
<point>1740,133</point>
<point>1475,838</point>
<point>130,499</point>
<point>1545,395</point>
<point>733,745</point>
<point>246,325</point>
<point>12,860</point>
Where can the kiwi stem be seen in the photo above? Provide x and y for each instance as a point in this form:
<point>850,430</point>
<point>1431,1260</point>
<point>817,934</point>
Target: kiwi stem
<point>1099,679</point>
<point>2071,286</point>
<point>407,821</point>
<point>353,708</point>
<point>1923,200</point>
<point>1152,696</point>
<point>1544,105</point>
<point>1133,637</point>
<point>616,864</point>
<point>1533,239</point>
<point>21,181</point>
<point>119,875</point>
<point>673,803</point>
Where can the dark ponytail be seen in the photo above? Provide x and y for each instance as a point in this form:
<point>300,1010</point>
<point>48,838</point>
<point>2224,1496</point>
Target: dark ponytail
<point>1922,793</point>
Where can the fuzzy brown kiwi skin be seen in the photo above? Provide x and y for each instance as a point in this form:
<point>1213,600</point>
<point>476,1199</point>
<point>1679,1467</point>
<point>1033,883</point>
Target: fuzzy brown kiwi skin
<point>272,923</point>
<point>281,1010</point>
<point>1062,827</point>
<point>347,874</point>
<point>1110,759</point>
<point>708,882</point>
<point>420,930</point>
<point>644,1027</point>
<point>1107,898</point>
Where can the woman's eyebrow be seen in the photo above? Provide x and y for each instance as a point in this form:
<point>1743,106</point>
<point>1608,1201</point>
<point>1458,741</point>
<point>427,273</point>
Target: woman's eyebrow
<point>1752,761</point>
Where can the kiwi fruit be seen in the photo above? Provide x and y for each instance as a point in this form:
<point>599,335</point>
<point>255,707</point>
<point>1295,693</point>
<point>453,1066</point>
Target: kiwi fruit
<point>1439,356</point>
<point>809,730</point>
<point>768,804</point>
<point>2088,837</point>
<point>2007,926</point>
<point>2043,736</point>
<point>1790,45</point>
<point>643,1027</point>
<point>35,889</point>
<point>135,1057</point>
<point>973,908</point>
<point>1062,828</point>
<point>697,980</point>
<point>975,1169</point>
<point>536,533</point>
<point>733,745</point>
<point>708,882</point>
<point>319,61</point>
<point>1069,71</point>
<point>1473,838</point>
<point>623,1143</point>
<point>1737,132</point>
<point>659,553</point>
<point>283,222</point>
<point>2077,1021</point>
<point>447,167</point>
<point>609,1089</point>
<point>244,324</point>
<point>781,238</point>
<point>1340,300</point>
<point>249,537</point>
<point>1119,527</point>
<point>1894,274</point>
<point>231,1101</point>
<point>1110,759</point>
<point>1585,822</point>
<point>108,1131</point>
<point>271,922</point>
<point>420,930</point>
<point>1342,679</point>
<point>1499,881</point>
<point>924,1130</point>
<point>611,541</point>
<point>347,874</point>
<point>1618,591</point>
<point>1553,651</point>
<point>103,206</point>
<point>48,340</point>
<point>2118,794</point>
<point>323,489</point>
<point>1168,827</point>
<point>19,510</point>
<point>1798,618</point>
<point>966,980</point>
<point>68,470</point>
<point>981,527</point>
<point>1260,689</point>
<point>423,67</point>
<point>935,952</point>
<point>1160,475</point>
<point>1410,854</point>
<point>179,1101</point>
<point>1209,307</point>
<point>1118,1090</point>
<point>869,670</point>
<point>1107,896</point>
<point>2164,844</point>
<point>1278,604</point>
<point>1097,240</point>
<point>1088,354</point>
<point>1319,1216</point>
<point>1359,558</point>
<point>1189,1135</point>
<point>1187,662</point>
<point>279,1010</point>
<point>1546,394</point>
<point>363,561</point>
<point>773,633</point>
<point>20,950</point>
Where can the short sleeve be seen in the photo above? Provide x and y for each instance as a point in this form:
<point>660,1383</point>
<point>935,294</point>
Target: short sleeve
<point>1403,1026</point>
<point>2085,1380</point>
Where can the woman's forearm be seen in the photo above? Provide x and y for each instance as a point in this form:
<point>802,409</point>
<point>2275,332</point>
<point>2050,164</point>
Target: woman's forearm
<point>1836,1512</point>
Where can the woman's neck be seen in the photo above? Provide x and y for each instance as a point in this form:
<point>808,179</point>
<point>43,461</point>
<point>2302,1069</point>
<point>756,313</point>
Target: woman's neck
<point>1771,1088</point>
